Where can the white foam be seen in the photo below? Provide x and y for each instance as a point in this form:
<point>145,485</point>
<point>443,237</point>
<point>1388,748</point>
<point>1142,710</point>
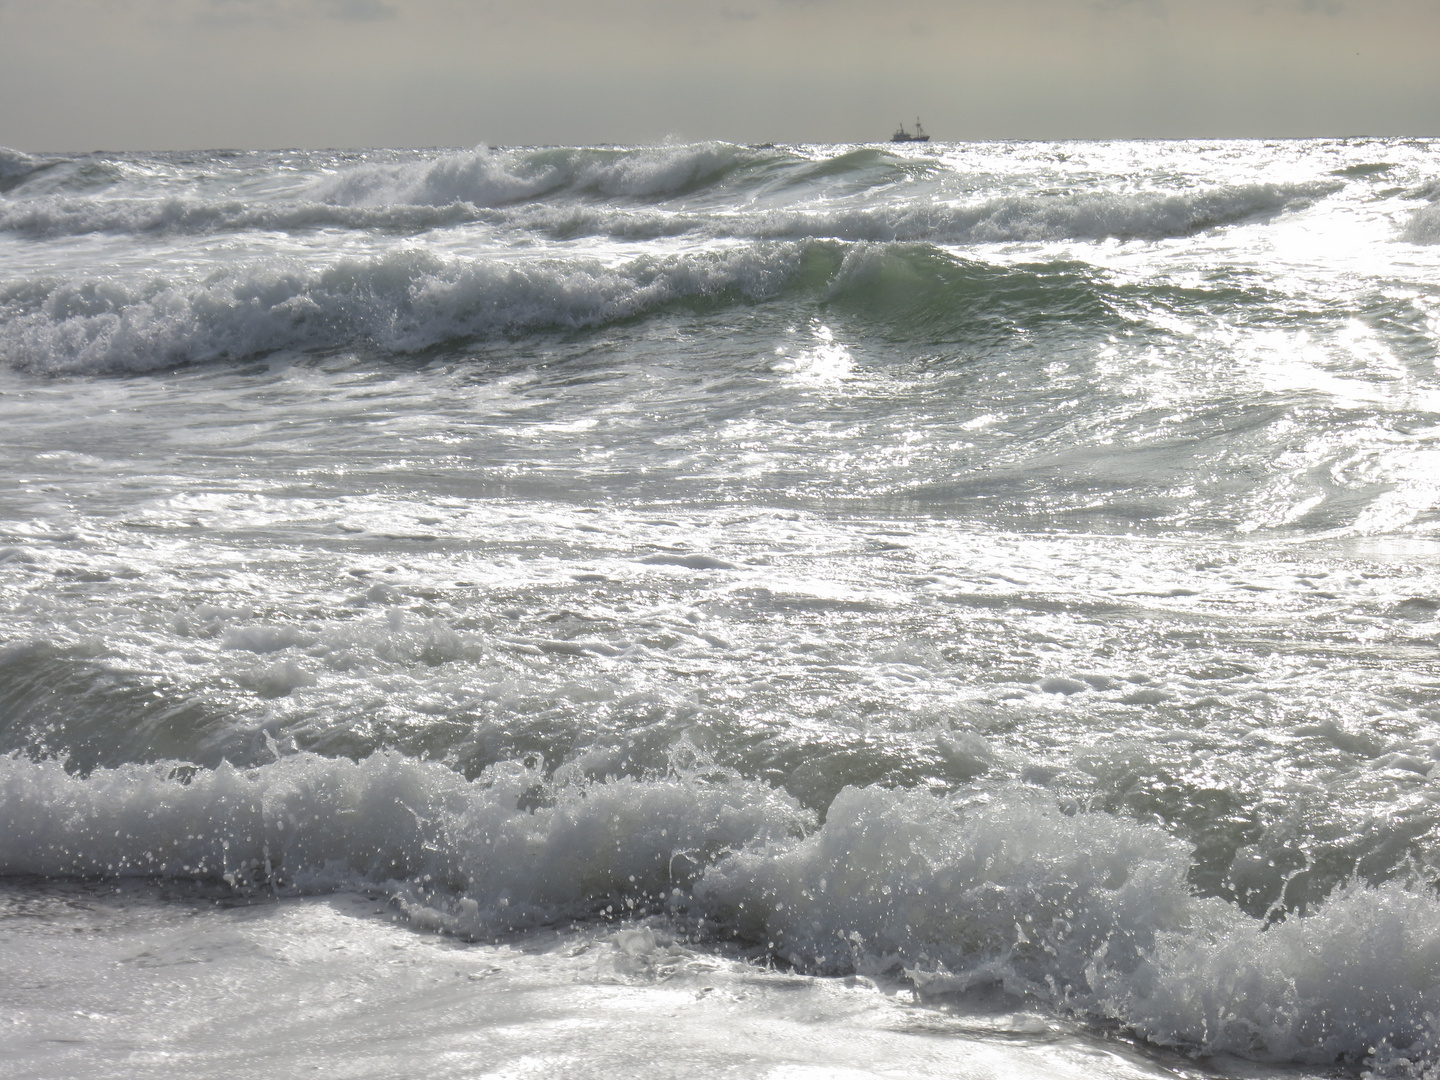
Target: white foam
<point>404,301</point>
<point>1423,226</point>
<point>1359,979</point>
<point>311,823</point>
<point>904,875</point>
<point>1093,913</point>
<point>66,215</point>
<point>1083,911</point>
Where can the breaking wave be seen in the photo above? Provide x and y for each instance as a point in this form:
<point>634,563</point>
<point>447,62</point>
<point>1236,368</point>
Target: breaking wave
<point>1085,911</point>
<point>15,163</point>
<point>16,168</point>
<point>66,216</point>
<point>437,198</point>
<point>1015,219</point>
<point>413,300</point>
<point>484,177</point>
<point>403,302</point>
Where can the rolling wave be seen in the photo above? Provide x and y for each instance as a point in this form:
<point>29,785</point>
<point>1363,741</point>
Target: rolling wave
<point>914,291</point>
<point>865,166</point>
<point>413,300</point>
<point>484,177</point>
<point>1142,216</point>
<point>1013,219</point>
<point>1029,219</point>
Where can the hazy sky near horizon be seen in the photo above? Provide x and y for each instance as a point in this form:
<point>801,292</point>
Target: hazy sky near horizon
<point>183,74</point>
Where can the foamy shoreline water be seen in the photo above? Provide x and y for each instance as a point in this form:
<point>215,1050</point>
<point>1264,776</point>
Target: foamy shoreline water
<point>1005,576</point>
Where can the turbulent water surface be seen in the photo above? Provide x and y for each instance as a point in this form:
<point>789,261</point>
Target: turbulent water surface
<point>955,610</point>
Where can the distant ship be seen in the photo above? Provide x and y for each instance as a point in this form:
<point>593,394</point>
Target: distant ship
<point>904,136</point>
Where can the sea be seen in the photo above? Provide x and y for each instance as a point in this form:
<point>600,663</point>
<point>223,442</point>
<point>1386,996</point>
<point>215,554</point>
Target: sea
<point>813,612</point>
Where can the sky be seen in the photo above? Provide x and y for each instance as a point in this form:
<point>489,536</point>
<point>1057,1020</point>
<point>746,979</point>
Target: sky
<point>194,74</point>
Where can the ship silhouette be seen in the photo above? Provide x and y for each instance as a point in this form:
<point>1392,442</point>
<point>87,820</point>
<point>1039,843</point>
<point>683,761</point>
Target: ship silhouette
<point>901,135</point>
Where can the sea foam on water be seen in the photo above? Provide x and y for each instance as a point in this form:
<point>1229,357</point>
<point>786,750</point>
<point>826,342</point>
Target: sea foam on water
<point>1079,910</point>
<point>957,609</point>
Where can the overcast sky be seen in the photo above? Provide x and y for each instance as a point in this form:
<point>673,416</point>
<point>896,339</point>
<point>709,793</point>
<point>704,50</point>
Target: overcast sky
<point>179,74</point>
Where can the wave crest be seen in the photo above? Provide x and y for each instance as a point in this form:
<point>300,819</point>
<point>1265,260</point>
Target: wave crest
<point>485,177</point>
<point>16,167</point>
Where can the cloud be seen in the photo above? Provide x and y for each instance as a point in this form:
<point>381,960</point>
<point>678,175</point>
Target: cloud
<point>732,14</point>
<point>236,11</point>
<point>1151,7</point>
<point>359,10</point>
<point>287,10</point>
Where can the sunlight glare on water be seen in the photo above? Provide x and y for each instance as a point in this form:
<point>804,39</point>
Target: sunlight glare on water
<point>984,596</point>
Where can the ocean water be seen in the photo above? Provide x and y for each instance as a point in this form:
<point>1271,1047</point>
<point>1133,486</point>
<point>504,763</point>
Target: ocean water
<point>956,610</point>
